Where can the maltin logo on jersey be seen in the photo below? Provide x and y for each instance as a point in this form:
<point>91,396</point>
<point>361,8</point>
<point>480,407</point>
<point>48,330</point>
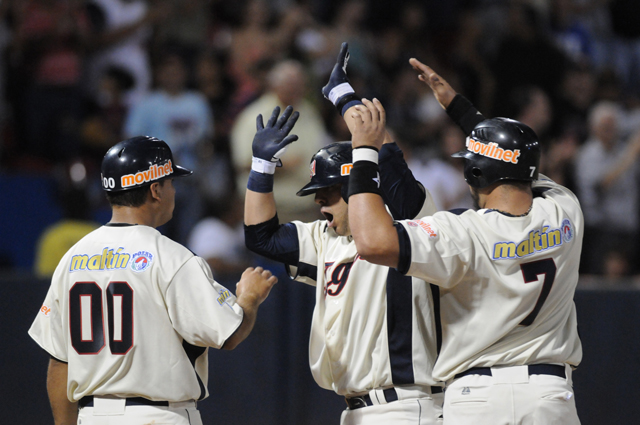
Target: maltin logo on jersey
<point>141,261</point>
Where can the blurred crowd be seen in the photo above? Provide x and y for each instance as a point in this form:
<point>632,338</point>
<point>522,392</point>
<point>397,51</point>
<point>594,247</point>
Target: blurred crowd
<point>77,76</point>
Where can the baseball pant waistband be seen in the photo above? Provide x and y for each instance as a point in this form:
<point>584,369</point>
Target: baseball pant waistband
<point>535,369</point>
<point>87,401</point>
<point>380,396</point>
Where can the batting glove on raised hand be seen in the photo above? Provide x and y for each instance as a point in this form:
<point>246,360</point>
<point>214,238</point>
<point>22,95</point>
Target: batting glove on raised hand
<point>338,90</point>
<point>272,140</point>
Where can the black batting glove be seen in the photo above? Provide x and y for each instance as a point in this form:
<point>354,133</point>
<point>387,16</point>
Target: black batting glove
<point>272,140</point>
<point>338,90</point>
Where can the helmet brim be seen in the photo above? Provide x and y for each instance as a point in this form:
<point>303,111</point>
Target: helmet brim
<point>466,154</point>
<point>309,188</point>
<point>179,171</point>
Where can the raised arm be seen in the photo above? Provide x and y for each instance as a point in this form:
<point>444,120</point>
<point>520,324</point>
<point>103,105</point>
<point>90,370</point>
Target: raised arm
<point>263,234</point>
<point>401,192</point>
<point>269,144</point>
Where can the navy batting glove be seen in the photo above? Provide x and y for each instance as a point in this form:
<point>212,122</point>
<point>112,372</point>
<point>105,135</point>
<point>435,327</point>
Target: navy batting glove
<point>338,90</point>
<point>272,140</point>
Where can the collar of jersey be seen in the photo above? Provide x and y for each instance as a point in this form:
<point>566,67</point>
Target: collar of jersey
<point>120,224</point>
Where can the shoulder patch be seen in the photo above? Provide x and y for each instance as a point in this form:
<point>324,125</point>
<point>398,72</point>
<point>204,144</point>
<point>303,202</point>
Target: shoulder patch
<point>567,230</point>
<point>141,261</point>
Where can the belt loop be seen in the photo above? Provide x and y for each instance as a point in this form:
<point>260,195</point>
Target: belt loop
<point>568,372</point>
<point>373,394</point>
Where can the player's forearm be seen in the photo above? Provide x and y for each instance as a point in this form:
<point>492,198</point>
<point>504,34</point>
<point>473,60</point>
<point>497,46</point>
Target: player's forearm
<point>250,310</point>
<point>258,207</point>
<point>64,411</point>
<point>373,230</point>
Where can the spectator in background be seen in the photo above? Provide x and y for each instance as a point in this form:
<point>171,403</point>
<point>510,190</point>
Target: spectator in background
<point>287,85</point>
<point>122,29</point>
<point>183,119</point>
<point>438,174</point>
<point>48,53</point>
<point>103,124</point>
<point>526,56</point>
<point>607,180</point>
<point>75,223</point>
<point>220,240</point>
<point>532,106</point>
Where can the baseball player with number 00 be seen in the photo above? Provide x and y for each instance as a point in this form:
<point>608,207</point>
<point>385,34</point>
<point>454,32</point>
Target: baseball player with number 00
<point>130,314</point>
<point>373,334</point>
<point>507,272</point>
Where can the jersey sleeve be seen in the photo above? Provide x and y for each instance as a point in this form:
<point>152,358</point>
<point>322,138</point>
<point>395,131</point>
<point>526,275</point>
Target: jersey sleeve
<point>48,329</point>
<point>310,236</point>
<point>202,311</point>
<point>435,249</point>
<point>401,192</point>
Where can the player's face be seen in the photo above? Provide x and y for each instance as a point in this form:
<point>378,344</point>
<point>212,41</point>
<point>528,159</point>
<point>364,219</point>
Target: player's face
<point>334,209</point>
<point>168,193</point>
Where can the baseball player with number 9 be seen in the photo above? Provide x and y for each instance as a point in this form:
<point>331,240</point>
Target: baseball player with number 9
<point>373,334</point>
<point>130,314</point>
<point>507,272</point>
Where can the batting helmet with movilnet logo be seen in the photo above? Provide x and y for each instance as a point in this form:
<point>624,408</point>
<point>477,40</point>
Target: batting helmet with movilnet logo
<point>331,165</point>
<point>500,149</point>
<point>138,162</point>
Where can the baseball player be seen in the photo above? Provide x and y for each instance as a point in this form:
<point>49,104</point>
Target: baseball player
<point>507,271</point>
<point>373,334</point>
<point>130,314</point>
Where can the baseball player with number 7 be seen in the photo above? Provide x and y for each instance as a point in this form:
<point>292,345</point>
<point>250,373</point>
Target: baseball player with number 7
<point>507,271</point>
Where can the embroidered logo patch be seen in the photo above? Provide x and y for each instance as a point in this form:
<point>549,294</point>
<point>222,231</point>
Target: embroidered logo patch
<point>141,261</point>
<point>567,230</point>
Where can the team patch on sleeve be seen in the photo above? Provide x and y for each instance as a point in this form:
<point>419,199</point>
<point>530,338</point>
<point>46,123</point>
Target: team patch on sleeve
<point>224,295</point>
<point>427,227</point>
<point>46,311</point>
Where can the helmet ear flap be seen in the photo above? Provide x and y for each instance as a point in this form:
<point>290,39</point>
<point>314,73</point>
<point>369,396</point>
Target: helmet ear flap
<point>344,191</point>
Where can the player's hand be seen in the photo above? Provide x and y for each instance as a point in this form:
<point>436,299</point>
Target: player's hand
<point>338,90</point>
<point>272,140</point>
<point>443,92</point>
<point>339,73</point>
<point>255,284</point>
<point>370,120</point>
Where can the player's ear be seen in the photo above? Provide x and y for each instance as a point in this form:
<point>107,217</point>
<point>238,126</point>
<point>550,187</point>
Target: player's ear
<point>155,191</point>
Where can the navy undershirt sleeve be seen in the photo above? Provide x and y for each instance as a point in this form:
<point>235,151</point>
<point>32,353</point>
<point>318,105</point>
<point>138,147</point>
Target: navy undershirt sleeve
<point>401,192</point>
<point>278,242</point>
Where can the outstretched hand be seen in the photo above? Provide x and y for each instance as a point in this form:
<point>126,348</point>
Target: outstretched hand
<point>443,92</point>
<point>370,120</point>
<point>271,141</point>
<point>338,74</point>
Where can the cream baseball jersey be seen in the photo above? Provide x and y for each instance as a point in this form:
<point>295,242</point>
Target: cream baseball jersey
<point>372,327</point>
<point>506,283</point>
<point>133,313</point>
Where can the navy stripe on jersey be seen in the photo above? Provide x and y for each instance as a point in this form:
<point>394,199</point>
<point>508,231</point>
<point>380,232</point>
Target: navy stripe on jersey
<point>274,241</point>
<point>435,294</point>
<point>193,352</point>
<point>399,327</point>
<point>404,257</point>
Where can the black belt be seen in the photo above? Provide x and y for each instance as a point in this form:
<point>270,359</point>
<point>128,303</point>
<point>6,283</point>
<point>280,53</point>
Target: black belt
<point>390,395</point>
<point>534,369</point>
<point>87,401</point>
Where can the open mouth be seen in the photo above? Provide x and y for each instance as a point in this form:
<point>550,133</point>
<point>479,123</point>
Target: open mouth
<point>328,216</point>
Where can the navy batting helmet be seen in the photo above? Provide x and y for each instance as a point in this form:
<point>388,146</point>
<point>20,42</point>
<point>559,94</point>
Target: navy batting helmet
<point>331,165</point>
<point>500,149</point>
<point>138,162</point>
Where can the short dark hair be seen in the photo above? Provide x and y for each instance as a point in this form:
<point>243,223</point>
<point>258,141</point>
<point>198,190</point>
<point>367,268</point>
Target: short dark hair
<point>131,197</point>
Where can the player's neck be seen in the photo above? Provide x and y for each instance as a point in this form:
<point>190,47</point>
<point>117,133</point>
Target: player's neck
<point>508,199</point>
<point>130,215</point>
